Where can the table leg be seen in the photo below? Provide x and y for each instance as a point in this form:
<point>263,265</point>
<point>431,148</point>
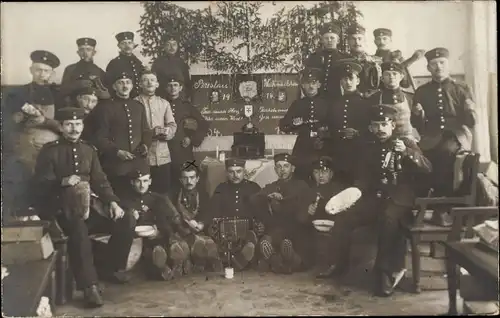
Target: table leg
<point>452,276</point>
<point>53,291</point>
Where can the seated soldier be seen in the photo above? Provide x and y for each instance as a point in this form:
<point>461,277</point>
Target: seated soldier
<point>191,202</point>
<point>387,181</point>
<point>231,216</point>
<point>151,208</point>
<point>66,172</point>
<point>284,245</point>
<point>326,185</point>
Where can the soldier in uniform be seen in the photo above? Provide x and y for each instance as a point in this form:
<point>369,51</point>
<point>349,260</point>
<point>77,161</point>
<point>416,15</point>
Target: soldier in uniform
<point>307,117</point>
<point>28,124</point>
<point>161,120</point>
<point>444,115</point>
<point>122,132</point>
<point>126,61</point>
<point>86,99</point>
<point>326,185</point>
<point>66,171</point>
<point>192,203</point>
<point>347,120</point>
<point>166,254</point>
<point>192,128</point>
<point>383,41</point>
<point>284,246</point>
<point>325,58</point>
<point>84,73</point>
<point>171,63</point>
<point>230,200</point>
<point>370,74</point>
<point>392,94</point>
<point>387,181</point>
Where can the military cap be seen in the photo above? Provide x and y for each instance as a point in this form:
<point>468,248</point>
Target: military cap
<point>330,28</point>
<point>70,113</point>
<point>140,170</point>
<point>173,78</point>
<point>283,157</point>
<point>347,67</point>
<point>170,37</point>
<point>437,52</point>
<point>356,29</point>
<point>382,31</point>
<point>391,66</point>
<point>86,90</point>
<point>235,162</point>
<point>310,74</point>
<point>324,162</point>
<point>382,112</point>
<point>120,75</point>
<point>122,36</point>
<point>86,41</point>
<point>45,57</point>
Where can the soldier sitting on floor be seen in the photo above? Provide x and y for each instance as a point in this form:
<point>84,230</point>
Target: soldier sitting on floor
<point>165,253</point>
<point>231,216</point>
<point>191,201</point>
<point>279,203</point>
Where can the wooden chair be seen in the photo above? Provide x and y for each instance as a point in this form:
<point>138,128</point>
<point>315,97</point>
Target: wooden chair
<point>422,232</point>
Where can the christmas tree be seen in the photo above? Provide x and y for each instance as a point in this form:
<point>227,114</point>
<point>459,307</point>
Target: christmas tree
<point>235,39</point>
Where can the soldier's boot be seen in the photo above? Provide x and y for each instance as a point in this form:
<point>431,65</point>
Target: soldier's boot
<point>159,257</point>
<point>167,273</point>
<point>92,297</point>
<point>277,264</point>
<point>187,267</point>
<point>198,256</point>
<point>266,252</point>
<point>384,284</point>
<point>213,258</point>
<point>290,259</point>
<point>177,257</point>
<point>241,259</point>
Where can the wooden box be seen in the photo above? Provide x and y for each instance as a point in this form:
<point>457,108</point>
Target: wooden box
<point>23,231</point>
<point>27,251</point>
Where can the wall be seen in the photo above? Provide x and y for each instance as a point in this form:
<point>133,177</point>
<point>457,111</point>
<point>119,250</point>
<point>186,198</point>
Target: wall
<point>55,27</point>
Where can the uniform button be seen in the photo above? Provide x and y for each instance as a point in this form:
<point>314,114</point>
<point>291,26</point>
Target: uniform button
<point>74,149</point>
<point>76,163</point>
<point>131,142</point>
<point>345,110</point>
<point>236,197</point>
<point>347,101</point>
<point>441,107</point>
<point>440,101</point>
<point>440,95</point>
<point>439,89</point>
<point>237,210</point>
<point>126,106</point>
<point>130,131</point>
<point>236,191</point>
<point>442,127</point>
<point>394,96</point>
<point>442,119</point>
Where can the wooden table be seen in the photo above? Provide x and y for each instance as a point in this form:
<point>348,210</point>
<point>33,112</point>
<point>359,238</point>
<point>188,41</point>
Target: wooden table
<point>26,284</point>
<point>480,261</point>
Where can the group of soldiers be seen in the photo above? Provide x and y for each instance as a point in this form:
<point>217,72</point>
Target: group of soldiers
<point>129,161</point>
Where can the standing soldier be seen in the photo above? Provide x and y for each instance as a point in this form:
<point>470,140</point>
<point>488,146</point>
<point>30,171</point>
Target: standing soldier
<point>28,124</point>
<point>171,63</point>
<point>284,246</point>
<point>122,132</point>
<point>125,62</point>
<point>383,41</point>
<point>66,171</point>
<point>192,128</point>
<point>325,58</point>
<point>392,94</point>
<point>444,115</point>
<point>370,74</point>
<point>387,181</point>
<point>232,213</point>
<point>84,73</point>
<point>307,117</point>
<point>86,98</point>
<point>347,120</point>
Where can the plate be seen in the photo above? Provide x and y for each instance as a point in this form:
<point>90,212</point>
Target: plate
<point>323,225</point>
<point>145,230</point>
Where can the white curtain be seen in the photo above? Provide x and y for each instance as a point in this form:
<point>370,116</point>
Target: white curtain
<point>480,74</point>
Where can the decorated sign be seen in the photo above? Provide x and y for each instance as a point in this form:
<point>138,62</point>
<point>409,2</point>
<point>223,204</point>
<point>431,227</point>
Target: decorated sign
<point>227,100</point>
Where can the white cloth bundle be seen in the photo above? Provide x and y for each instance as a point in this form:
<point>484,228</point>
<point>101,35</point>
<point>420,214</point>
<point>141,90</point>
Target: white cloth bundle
<point>343,200</point>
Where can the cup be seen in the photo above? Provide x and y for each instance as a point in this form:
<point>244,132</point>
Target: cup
<point>229,272</point>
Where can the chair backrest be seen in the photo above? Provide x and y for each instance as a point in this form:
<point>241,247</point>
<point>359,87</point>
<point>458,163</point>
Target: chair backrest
<point>470,217</point>
<point>468,186</point>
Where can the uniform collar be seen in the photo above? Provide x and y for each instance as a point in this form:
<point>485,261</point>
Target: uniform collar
<point>443,82</point>
<point>63,140</point>
<point>178,99</point>
<point>123,55</point>
<point>351,94</point>
<point>392,91</point>
<point>82,61</point>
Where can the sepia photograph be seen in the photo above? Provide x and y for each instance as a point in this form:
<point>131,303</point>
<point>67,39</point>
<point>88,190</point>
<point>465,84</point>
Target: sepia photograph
<point>249,158</point>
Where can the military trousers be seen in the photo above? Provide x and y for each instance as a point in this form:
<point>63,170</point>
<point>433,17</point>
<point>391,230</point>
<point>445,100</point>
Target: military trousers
<point>389,219</point>
<point>81,258</point>
<point>161,178</point>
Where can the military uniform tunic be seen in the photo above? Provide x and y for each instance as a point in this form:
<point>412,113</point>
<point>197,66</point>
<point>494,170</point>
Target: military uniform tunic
<point>166,66</point>
<point>75,75</point>
<point>308,146</point>
<point>233,200</point>
<point>394,56</point>
<point>325,60</point>
<point>121,125</point>
<point>129,64</point>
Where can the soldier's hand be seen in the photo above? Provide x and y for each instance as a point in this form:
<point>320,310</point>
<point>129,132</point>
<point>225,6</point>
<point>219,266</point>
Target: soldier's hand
<point>311,210</point>
<point>259,228</point>
<point>275,195</point>
<point>418,109</point>
<point>70,181</point>
<point>136,215</point>
<point>350,133</point>
<point>115,211</point>
<point>399,145</point>
<point>418,54</point>
<point>186,142</point>
<point>86,215</point>
<point>125,155</point>
<point>199,226</point>
<point>297,121</point>
<point>143,150</point>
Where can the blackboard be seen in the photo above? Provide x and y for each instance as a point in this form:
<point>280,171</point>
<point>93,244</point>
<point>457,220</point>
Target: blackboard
<point>219,100</point>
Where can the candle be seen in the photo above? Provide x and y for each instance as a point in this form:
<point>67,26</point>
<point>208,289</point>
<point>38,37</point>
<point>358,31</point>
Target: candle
<point>272,152</point>
<point>217,151</point>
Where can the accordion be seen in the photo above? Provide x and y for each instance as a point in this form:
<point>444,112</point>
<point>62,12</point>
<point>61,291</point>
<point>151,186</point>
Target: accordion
<point>231,229</point>
<point>248,145</point>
